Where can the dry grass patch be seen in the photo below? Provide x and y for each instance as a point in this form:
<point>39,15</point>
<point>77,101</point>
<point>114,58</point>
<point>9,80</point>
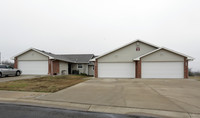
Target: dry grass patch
<point>195,77</point>
<point>43,84</point>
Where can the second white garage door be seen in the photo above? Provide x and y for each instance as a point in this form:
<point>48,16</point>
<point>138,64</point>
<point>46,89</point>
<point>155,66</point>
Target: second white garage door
<point>33,67</point>
<point>162,70</point>
<point>116,70</point>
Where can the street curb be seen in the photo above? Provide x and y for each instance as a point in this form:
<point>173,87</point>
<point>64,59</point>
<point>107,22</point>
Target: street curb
<point>100,108</point>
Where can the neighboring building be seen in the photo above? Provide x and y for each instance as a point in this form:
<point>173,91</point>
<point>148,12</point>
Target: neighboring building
<point>38,62</point>
<point>140,59</point>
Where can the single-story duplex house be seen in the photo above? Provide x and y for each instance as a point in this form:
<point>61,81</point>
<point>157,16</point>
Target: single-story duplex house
<point>37,62</point>
<point>140,59</point>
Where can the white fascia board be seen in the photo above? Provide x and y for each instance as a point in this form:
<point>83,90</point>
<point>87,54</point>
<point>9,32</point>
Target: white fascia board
<point>51,57</point>
<point>34,50</point>
<point>138,58</point>
<point>42,53</point>
<point>20,53</point>
<point>94,59</point>
<point>188,57</point>
<point>127,45</point>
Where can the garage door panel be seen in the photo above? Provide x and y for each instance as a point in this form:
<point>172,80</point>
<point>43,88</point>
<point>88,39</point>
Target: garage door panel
<point>162,70</point>
<point>116,70</point>
<point>33,67</point>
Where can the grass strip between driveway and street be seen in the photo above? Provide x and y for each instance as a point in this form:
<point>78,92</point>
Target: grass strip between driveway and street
<point>43,84</point>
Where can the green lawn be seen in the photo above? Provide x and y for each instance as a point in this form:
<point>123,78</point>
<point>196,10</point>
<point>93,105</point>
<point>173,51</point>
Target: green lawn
<point>43,84</point>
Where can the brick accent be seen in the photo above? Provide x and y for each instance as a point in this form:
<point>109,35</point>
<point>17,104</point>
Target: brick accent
<point>56,69</point>
<point>16,62</point>
<point>138,69</point>
<point>49,66</point>
<point>96,69</point>
<point>185,68</point>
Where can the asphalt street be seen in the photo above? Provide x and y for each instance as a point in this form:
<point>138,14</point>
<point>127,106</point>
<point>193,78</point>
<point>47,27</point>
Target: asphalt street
<point>25,111</point>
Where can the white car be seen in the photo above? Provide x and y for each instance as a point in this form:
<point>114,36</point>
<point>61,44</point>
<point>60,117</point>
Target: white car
<point>6,70</point>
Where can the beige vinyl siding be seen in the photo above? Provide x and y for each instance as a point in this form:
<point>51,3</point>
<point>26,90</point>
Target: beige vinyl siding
<point>63,66</point>
<point>84,68</point>
<point>90,70</point>
<point>163,55</point>
<point>32,55</point>
<point>127,54</point>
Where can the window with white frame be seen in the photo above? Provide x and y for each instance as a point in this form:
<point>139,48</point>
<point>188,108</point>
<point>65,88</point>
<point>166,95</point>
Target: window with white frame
<point>80,66</point>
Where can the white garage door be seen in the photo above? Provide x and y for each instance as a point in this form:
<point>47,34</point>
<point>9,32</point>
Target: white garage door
<point>162,70</point>
<point>116,70</point>
<point>33,67</point>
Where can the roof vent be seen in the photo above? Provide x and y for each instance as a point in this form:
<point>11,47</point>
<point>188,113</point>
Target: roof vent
<point>137,48</point>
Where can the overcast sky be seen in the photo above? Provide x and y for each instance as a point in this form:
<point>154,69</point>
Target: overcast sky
<point>98,26</point>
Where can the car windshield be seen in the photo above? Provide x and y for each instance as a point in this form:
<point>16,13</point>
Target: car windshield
<point>3,66</point>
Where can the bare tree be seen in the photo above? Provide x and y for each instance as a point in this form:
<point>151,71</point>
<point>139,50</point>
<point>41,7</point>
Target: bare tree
<point>190,72</point>
<point>193,73</point>
<point>8,63</point>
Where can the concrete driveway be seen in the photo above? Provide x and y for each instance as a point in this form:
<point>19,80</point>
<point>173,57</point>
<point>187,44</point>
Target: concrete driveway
<point>12,78</point>
<point>153,94</point>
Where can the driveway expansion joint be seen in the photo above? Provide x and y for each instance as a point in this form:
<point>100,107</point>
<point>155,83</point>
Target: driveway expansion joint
<point>165,97</point>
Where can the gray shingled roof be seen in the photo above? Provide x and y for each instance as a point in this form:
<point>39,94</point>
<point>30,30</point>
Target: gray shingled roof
<point>73,58</point>
<point>78,58</point>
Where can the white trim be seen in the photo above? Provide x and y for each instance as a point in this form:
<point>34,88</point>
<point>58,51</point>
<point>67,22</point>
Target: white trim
<point>34,50</point>
<point>188,57</point>
<point>125,46</point>
<point>93,59</point>
<point>138,58</point>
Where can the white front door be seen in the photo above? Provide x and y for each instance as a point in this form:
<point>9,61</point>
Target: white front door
<point>162,70</point>
<point>33,67</point>
<point>116,70</point>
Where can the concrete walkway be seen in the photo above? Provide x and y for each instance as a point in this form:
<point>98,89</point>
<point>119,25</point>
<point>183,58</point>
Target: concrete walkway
<point>162,98</point>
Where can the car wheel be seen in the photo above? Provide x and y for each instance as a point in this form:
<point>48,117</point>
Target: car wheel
<point>0,75</point>
<point>17,73</point>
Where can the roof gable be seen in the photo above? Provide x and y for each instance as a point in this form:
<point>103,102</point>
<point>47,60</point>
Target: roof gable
<point>73,58</point>
<point>163,48</point>
<point>126,46</point>
<point>32,55</point>
<point>36,50</point>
